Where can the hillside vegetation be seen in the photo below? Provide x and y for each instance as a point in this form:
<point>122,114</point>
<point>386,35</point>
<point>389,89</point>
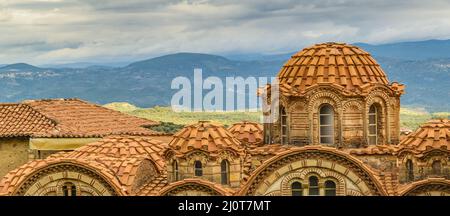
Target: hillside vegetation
<point>410,118</point>
<point>423,66</point>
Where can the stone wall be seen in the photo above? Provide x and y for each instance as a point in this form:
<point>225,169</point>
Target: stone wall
<point>13,153</point>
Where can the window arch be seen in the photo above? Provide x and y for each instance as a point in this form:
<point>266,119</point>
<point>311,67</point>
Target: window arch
<point>283,125</point>
<point>409,170</point>
<point>436,167</point>
<point>69,189</point>
<point>326,124</point>
<point>373,125</point>
<point>198,169</point>
<point>176,175</point>
<point>225,172</point>
<point>296,188</point>
<point>330,188</point>
<point>313,186</point>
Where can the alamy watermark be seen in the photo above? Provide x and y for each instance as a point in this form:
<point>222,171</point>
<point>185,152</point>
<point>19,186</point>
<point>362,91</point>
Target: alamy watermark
<point>232,94</point>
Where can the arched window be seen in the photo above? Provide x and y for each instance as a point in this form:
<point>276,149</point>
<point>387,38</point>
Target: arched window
<point>436,166</point>
<point>225,172</point>
<point>373,128</point>
<point>283,126</point>
<point>409,170</point>
<point>296,188</point>
<point>176,176</point>
<point>326,114</point>
<point>198,168</point>
<point>330,188</point>
<point>69,189</point>
<point>313,186</point>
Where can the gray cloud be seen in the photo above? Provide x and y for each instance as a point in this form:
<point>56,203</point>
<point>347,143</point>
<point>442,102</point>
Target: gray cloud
<point>60,31</point>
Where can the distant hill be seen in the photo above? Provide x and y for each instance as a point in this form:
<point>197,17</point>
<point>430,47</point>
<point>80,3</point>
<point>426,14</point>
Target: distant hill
<point>417,50</point>
<point>20,67</point>
<point>147,83</point>
<point>182,61</point>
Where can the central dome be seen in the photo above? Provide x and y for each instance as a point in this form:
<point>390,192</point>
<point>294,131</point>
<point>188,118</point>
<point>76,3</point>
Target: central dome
<point>333,63</point>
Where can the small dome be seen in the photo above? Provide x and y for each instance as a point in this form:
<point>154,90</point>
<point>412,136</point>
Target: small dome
<point>341,64</point>
<point>205,136</point>
<point>248,132</point>
<point>120,146</point>
<point>435,134</point>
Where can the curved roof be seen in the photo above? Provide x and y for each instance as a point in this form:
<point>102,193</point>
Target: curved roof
<point>276,160</point>
<point>342,65</point>
<point>117,158</point>
<point>250,133</point>
<point>433,135</point>
<point>214,188</point>
<point>121,146</point>
<point>204,136</point>
<point>13,180</point>
<point>430,182</point>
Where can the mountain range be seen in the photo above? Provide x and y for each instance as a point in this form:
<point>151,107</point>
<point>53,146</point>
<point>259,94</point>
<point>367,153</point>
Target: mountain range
<point>424,67</point>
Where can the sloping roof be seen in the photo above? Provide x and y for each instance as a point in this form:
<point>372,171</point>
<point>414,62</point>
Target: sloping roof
<point>153,187</point>
<point>215,188</point>
<point>205,136</point>
<point>249,133</point>
<point>390,183</point>
<point>117,157</point>
<point>345,66</point>
<point>67,118</point>
<point>17,120</point>
<point>435,134</point>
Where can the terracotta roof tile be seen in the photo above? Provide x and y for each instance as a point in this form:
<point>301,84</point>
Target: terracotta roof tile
<point>67,118</point>
<point>373,150</point>
<point>222,191</point>
<point>205,136</point>
<point>339,64</point>
<point>405,188</point>
<point>79,118</point>
<point>153,187</point>
<point>249,133</point>
<point>270,150</point>
<point>11,181</point>
<point>22,120</point>
<point>121,146</point>
<point>116,156</point>
<point>389,182</point>
<point>435,134</point>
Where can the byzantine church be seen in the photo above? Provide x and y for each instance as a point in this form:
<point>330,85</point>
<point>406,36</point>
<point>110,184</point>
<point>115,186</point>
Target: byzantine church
<point>338,134</point>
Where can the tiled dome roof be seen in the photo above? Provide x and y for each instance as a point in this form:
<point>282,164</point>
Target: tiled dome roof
<point>341,64</point>
<point>121,146</point>
<point>248,132</point>
<point>205,136</point>
<point>435,134</point>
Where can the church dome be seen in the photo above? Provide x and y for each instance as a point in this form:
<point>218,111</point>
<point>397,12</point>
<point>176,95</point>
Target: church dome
<point>250,133</point>
<point>340,64</point>
<point>205,136</point>
<point>434,134</point>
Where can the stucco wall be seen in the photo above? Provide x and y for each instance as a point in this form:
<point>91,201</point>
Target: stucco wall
<point>13,153</point>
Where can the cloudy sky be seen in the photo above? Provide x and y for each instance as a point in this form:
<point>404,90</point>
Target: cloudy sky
<point>63,31</point>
